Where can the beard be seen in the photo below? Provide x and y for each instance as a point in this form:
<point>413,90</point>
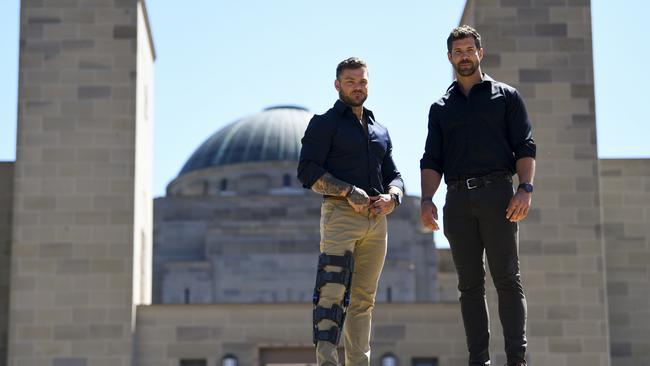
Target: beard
<point>462,69</point>
<point>354,101</point>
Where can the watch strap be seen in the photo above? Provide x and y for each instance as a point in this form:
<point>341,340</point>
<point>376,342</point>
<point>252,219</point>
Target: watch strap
<point>396,198</point>
<point>528,187</point>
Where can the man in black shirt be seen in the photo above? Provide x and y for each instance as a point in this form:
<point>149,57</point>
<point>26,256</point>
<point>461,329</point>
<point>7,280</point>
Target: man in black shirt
<point>347,157</point>
<point>479,136</point>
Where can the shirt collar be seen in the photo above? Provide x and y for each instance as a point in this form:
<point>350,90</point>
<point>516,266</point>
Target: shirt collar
<point>486,79</point>
<point>340,107</point>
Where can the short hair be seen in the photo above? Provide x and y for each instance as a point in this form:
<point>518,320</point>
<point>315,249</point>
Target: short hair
<point>350,63</point>
<point>464,31</point>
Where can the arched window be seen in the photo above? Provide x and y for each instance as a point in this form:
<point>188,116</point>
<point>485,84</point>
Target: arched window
<point>229,360</point>
<point>286,180</point>
<point>224,185</point>
<point>388,359</point>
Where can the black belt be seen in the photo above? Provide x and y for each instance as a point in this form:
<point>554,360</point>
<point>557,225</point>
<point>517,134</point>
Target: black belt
<point>477,182</point>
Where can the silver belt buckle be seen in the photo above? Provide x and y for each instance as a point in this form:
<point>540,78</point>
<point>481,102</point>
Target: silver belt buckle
<point>471,186</point>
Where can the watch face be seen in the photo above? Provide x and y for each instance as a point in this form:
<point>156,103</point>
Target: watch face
<point>526,187</point>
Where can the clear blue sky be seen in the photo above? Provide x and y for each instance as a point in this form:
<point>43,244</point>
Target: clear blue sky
<point>221,60</point>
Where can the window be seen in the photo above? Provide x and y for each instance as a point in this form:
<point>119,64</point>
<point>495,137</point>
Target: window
<point>424,361</point>
<point>193,363</point>
<point>187,296</point>
<point>286,180</point>
<point>224,184</point>
<point>388,359</point>
<point>389,294</point>
<point>229,360</point>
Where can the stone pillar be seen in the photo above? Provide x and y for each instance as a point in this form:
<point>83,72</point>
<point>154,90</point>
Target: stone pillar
<point>626,210</point>
<point>82,220</point>
<point>6,202</point>
<point>543,48</point>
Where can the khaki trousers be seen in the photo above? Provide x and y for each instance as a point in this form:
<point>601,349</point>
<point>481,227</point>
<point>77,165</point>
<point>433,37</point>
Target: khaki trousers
<point>363,234</point>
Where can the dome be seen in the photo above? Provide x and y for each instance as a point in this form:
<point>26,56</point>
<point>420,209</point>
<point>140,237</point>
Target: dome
<point>271,135</point>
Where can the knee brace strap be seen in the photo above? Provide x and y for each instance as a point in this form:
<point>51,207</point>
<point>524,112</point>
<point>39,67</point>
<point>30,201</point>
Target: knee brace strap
<point>345,261</point>
<point>335,314</point>
<point>331,335</point>
<point>342,278</point>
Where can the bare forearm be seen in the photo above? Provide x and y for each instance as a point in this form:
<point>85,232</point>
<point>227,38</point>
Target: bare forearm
<point>331,186</point>
<point>430,181</point>
<point>526,170</point>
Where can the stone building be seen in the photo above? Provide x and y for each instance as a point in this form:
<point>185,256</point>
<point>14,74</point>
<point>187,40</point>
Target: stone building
<point>236,226</point>
<point>81,205</point>
<point>76,215</point>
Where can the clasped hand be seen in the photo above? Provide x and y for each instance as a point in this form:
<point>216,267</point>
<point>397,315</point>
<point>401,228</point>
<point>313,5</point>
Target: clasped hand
<point>382,204</point>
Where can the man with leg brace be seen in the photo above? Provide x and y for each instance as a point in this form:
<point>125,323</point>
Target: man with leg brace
<point>347,157</point>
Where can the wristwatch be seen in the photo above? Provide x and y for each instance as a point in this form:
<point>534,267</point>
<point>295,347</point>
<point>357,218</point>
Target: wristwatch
<point>527,187</point>
<point>397,198</point>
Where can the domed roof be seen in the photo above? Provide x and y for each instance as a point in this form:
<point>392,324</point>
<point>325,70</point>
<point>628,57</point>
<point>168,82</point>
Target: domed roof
<point>271,135</point>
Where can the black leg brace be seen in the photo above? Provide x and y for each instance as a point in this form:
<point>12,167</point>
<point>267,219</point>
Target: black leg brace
<point>337,312</point>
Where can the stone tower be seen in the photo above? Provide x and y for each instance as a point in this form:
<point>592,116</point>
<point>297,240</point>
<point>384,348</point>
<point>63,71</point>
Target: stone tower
<point>6,202</point>
<point>544,48</point>
<point>82,205</point>
<point>625,193</point>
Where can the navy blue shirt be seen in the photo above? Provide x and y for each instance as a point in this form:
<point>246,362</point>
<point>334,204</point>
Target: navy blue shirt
<point>335,142</point>
<point>484,132</point>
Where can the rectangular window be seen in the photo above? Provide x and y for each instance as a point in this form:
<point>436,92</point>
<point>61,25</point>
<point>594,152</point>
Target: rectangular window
<point>187,296</point>
<point>424,361</point>
<point>193,363</point>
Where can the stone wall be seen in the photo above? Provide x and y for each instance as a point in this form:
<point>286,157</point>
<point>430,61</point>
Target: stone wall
<point>167,334</point>
<point>543,48</point>
<point>263,247</point>
<point>6,202</point>
<point>625,192</point>
<point>74,253</point>
<point>446,279</point>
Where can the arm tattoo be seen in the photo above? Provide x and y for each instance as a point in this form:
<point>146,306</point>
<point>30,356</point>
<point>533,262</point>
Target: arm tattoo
<point>329,185</point>
<point>358,197</point>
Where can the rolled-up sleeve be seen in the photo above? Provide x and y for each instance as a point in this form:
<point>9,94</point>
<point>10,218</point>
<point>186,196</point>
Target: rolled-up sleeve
<point>316,144</point>
<point>391,176</point>
<point>433,152</point>
<point>520,131</point>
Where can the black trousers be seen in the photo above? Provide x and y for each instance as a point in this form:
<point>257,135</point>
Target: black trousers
<point>475,223</point>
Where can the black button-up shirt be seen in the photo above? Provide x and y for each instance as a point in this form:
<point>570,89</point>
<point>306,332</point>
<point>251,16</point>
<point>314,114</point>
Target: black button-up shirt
<point>336,142</point>
<point>486,131</point>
